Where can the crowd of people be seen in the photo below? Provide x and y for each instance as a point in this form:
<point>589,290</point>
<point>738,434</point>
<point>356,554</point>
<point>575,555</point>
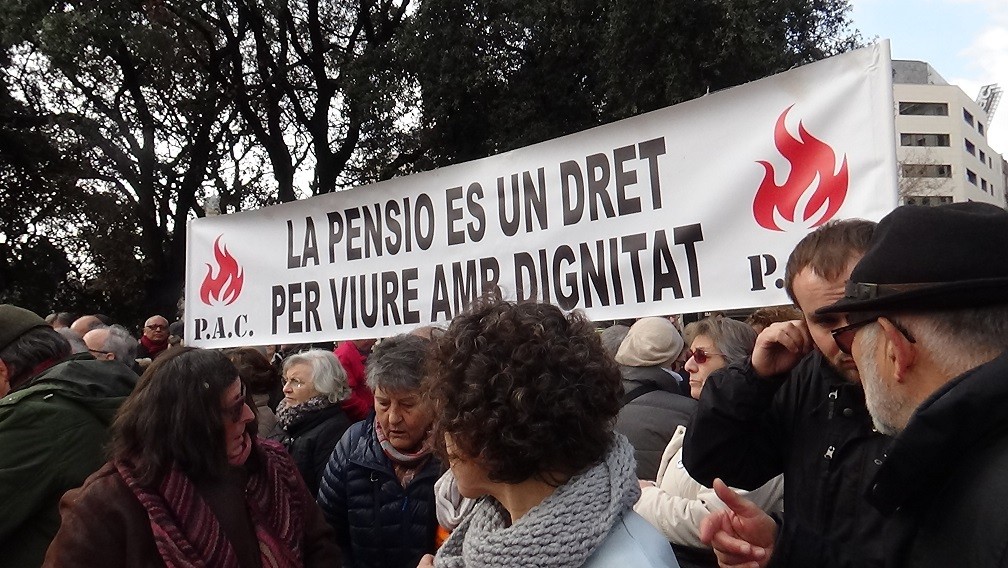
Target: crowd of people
<point>862,427</point>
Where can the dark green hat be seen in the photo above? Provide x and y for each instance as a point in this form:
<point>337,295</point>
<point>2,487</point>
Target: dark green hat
<point>15,322</point>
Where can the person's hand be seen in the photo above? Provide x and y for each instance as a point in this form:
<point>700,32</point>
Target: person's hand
<point>645,483</point>
<point>427,561</point>
<point>780,346</point>
<point>742,535</point>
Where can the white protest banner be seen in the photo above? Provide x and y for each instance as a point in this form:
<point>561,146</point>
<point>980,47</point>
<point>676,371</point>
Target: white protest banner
<point>690,208</point>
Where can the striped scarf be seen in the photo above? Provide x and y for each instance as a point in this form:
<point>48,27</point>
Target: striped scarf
<point>188,535</point>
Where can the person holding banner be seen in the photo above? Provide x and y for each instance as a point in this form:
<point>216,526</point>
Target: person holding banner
<point>189,483</point>
<point>525,401</point>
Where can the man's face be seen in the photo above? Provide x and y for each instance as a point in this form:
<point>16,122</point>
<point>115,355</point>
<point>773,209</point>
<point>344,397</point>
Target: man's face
<point>813,292</point>
<point>889,408</point>
<point>156,329</point>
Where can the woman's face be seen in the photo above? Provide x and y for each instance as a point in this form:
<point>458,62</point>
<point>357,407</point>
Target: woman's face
<point>236,415</point>
<point>405,417</point>
<point>470,479</point>
<point>299,386</point>
<point>703,350</point>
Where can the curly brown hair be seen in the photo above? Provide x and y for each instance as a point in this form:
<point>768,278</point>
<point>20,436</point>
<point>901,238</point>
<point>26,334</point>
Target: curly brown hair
<point>524,389</point>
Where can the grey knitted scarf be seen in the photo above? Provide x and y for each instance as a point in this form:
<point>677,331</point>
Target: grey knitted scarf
<point>562,531</point>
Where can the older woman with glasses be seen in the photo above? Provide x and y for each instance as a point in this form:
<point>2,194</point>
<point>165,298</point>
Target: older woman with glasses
<point>310,420</point>
<point>188,482</point>
<point>674,502</point>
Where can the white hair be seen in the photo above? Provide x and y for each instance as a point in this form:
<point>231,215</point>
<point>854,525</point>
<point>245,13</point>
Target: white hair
<point>327,373</point>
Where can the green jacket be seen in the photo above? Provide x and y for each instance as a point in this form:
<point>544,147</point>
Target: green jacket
<point>52,437</point>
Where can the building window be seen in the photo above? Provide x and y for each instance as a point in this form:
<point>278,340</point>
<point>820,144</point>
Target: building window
<point>971,177</point>
<point>924,140</point>
<point>980,127</point>
<point>927,170</point>
<point>982,156</point>
<point>983,184</point>
<point>923,109</point>
<point>970,148</point>
<point>929,200</point>
<point>968,117</point>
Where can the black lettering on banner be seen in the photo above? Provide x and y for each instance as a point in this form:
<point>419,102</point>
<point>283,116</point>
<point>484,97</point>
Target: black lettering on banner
<point>339,301</point>
<point>392,213</point>
<point>292,260</point>
<point>390,297</point>
<point>633,244</point>
<point>758,270</point>
<point>453,194</point>
<point>688,236</point>
<point>410,295</point>
<point>424,209</point>
<point>310,243</point>
<point>525,268</point>
<point>490,274</point>
<point>595,273</point>
<point>353,232</point>
<point>465,282</point>
<point>567,297</point>
<point>477,227</point>
<point>597,186</point>
<point>665,274</point>
<point>368,318</point>
<point>614,268</point>
<point>302,315</point>
<point>440,305</point>
<point>573,203</point>
<point>625,205</point>
<point>201,325</point>
<point>526,195</point>
<point>650,150</point>
<point>279,304</point>
<point>294,303</point>
<point>335,233</point>
<point>372,231</point>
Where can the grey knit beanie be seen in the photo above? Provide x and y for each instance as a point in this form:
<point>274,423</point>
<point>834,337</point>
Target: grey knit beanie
<point>15,322</point>
<point>650,342</point>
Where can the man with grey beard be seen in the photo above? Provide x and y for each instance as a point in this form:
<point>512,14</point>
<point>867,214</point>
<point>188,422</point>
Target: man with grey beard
<point>927,313</point>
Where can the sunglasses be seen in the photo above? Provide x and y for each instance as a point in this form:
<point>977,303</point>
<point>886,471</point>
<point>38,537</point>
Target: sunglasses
<point>844,336</point>
<point>700,355</point>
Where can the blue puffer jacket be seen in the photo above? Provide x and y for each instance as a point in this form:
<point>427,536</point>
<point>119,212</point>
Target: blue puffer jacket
<point>378,522</point>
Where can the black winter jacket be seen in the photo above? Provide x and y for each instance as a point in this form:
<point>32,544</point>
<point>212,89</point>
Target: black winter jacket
<point>649,420</point>
<point>310,440</point>
<point>378,522</point>
<point>813,427</point>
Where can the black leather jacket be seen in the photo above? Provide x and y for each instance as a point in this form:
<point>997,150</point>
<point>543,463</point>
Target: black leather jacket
<point>378,522</point>
<point>310,440</point>
<point>813,427</point>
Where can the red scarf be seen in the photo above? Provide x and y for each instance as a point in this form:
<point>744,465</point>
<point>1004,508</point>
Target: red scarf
<point>152,346</point>
<point>188,535</point>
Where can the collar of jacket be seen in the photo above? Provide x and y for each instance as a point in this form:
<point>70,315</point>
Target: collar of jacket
<point>943,430</point>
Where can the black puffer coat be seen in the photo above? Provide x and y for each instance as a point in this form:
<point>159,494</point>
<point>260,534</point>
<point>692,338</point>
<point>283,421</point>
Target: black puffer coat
<point>378,522</point>
<point>310,439</point>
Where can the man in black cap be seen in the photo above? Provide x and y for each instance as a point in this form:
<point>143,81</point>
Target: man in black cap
<point>54,417</point>
<point>927,308</point>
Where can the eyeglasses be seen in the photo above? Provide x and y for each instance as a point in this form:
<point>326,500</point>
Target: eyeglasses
<point>844,336</point>
<point>700,355</point>
<point>156,327</point>
<point>99,351</point>
<point>234,412</point>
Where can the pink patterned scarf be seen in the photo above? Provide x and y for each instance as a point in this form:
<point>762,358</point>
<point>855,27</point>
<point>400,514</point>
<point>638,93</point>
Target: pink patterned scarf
<point>188,535</point>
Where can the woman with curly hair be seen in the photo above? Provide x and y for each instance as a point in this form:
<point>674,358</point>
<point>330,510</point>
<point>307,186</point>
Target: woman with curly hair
<point>188,483</point>
<point>310,420</point>
<point>525,401</point>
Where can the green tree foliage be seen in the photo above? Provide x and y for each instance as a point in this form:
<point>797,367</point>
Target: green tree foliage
<point>501,74</point>
<point>118,117</point>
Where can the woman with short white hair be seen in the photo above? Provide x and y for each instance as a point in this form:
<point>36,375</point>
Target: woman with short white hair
<point>310,420</point>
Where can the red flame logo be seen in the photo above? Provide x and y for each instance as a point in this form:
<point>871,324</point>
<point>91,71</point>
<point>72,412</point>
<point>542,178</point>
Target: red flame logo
<point>814,187</point>
<point>227,285</point>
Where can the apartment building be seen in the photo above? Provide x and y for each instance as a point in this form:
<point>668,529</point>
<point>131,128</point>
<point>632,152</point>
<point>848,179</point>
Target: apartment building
<point>942,146</point>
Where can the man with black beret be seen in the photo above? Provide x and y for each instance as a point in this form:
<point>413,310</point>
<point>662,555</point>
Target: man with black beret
<point>54,417</point>
<point>927,312</point>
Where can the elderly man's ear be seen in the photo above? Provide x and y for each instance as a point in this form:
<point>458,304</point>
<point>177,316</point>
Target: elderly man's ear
<point>900,351</point>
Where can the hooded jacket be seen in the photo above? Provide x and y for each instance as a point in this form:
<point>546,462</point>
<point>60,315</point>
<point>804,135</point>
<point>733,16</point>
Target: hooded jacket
<point>650,419</point>
<point>378,522</point>
<point>52,434</point>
